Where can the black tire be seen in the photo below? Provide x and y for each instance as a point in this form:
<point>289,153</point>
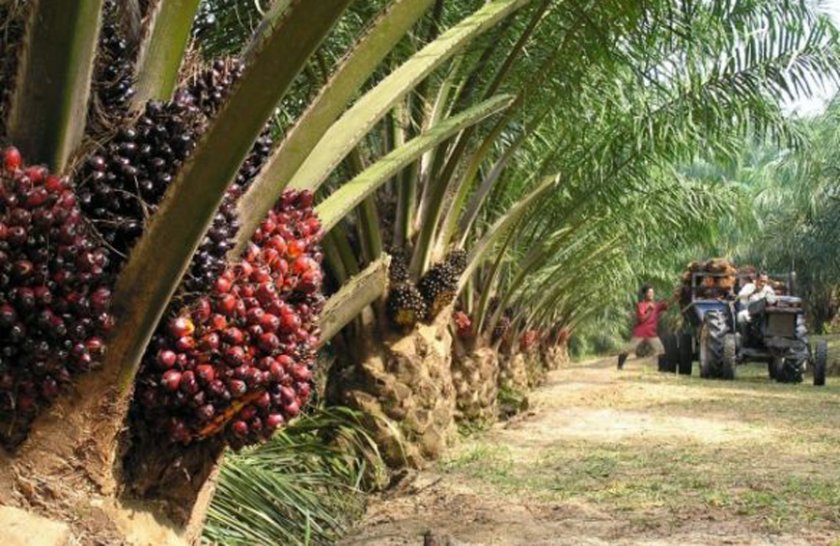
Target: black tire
<point>712,337</point>
<point>730,354</point>
<point>663,364</point>
<point>686,353</point>
<point>779,369</point>
<point>771,370</point>
<point>820,363</point>
<point>672,354</point>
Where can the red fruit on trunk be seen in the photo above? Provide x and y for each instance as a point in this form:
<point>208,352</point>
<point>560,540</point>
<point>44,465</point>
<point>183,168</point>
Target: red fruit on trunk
<point>181,326</point>
<point>202,310</point>
<point>166,359</point>
<point>240,428</point>
<point>185,344</point>
<point>274,421</point>
<point>292,409</point>
<point>237,388</point>
<point>301,372</point>
<point>12,159</point>
<point>205,372</point>
<point>171,379</point>
<point>223,285</point>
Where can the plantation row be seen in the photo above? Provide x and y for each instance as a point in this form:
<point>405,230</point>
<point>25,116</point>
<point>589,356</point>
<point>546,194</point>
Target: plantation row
<point>205,196</point>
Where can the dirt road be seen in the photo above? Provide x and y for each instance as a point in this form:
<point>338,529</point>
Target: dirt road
<point>633,457</point>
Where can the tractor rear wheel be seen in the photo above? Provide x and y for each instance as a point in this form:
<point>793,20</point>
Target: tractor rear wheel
<point>730,354</point>
<point>686,353</point>
<point>820,363</point>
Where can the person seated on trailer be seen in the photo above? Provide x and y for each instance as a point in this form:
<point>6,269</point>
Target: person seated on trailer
<point>754,291</point>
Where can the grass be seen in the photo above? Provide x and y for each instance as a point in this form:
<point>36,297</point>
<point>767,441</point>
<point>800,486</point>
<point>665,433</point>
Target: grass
<point>769,458</point>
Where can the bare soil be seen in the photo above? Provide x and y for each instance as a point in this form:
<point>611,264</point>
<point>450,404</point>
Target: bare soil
<point>632,457</point>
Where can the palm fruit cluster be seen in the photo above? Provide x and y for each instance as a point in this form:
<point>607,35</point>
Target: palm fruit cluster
<point>528,339</point>
<point>237,362</point>
<point>463,324</point>
<point>114,73</point>
<point>440,283</point>
<point>54,291</point>
<point>123,183</point>
<point>405,305</point>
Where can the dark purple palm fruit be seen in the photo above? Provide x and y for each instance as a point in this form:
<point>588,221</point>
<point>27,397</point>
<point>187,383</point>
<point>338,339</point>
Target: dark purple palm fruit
<point>125,181</point>
<point>236,362</point>
<point>13,17</point>
<point>113,73</point>
<point>54,291</point>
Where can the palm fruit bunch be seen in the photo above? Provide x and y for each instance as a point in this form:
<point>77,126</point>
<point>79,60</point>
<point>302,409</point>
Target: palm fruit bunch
<point>463,324</point>
<point>237,362</point>
<point>440,283</point>
<point>528,339</point>
<point>502,328</point>
<point>714,278</point>
<point>54,291</point>
<point>123,183</point>
<point>113,73</point>
<point>405,306</point>
<point>398,270</point>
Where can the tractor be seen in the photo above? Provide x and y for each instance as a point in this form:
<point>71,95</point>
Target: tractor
<point>775,333</point>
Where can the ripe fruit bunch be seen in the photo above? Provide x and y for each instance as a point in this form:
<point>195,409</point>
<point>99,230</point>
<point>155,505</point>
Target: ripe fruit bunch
<point>528,339</point>
<point>54,288</point>
<point>398,271</point>
<point>125,181</point>
<point>463,324</point>
<point>237,362</point>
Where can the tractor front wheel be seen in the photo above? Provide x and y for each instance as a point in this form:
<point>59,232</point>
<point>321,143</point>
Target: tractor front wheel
<point>712,345</point>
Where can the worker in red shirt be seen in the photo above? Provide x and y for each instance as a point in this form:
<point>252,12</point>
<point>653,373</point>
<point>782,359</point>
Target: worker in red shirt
<point>647,318</point>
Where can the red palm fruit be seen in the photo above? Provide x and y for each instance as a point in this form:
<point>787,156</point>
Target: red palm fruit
<point>100,300</point>
<point>287,394</point>
<point>274,421</point>
<point>223,285</point>
<point>237,387</point>
<point>240,428</point>
<point>227,304</point>
<point>278,243</point>
<point>185,344</point>
<point>296,248</point>
<point>209,342</point>
<point>234,336</point>
<point>171,379</point>
<point>218,322</point>
<point>278,373</point>
<point>12,158</point>
<point>304,390</point>
<point>270,322</point>
<point>254,315</point>
<point>289,321</point>
<point>269,342</point>
<point>286,361</point>
<point>95,345</point>
<point>205,372</point>
<point>247,413</point>
<point>181,326</point>
<point>301,373</point>
<point>166,359</point>
<point>235,356</point>
<point>202,310</point>
<point>188,382</point>
<point>292,409</point>
<point>54,184</point>
<point>263,401</point>
<point>256,425</point>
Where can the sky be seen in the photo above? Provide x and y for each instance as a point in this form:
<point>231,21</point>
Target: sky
<point>815,105</point>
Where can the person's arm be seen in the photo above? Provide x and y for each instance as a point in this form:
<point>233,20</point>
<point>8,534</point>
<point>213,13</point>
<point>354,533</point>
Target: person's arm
<point>662,305</point>
<point>746,291</point>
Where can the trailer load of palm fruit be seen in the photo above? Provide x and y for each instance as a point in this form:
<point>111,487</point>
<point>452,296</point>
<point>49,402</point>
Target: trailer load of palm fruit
<point>715,278</point>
